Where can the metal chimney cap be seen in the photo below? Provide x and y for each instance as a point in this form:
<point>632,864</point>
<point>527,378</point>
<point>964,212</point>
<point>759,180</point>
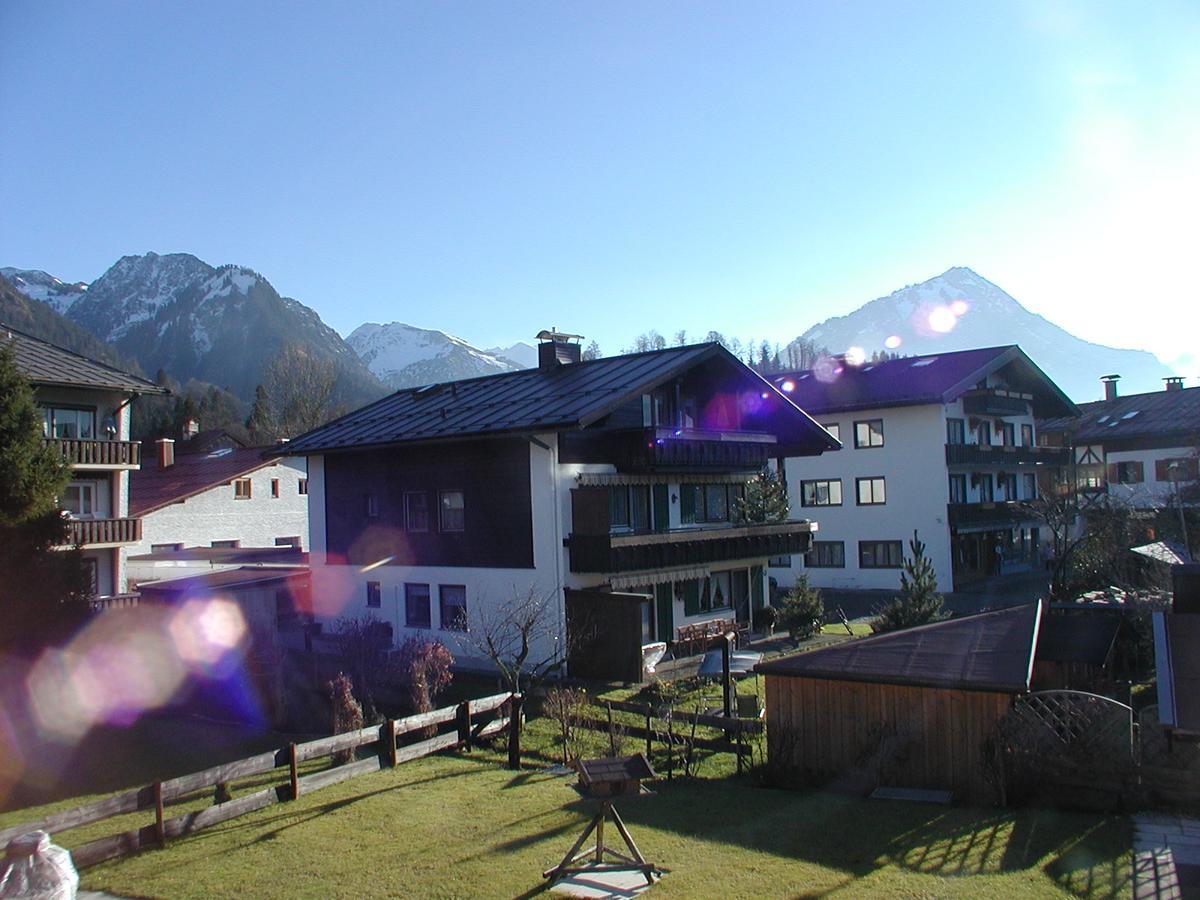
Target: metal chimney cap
<point>552,335</point>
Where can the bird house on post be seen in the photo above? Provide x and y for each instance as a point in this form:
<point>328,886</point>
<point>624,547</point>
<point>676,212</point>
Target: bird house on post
<point>604,780</point>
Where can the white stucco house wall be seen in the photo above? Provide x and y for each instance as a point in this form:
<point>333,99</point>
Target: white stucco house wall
<point>942,444</point>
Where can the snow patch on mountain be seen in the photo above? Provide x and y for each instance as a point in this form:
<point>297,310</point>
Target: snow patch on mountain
<point>38,285</point>
<point>402,355</point>
<point>523,354</point>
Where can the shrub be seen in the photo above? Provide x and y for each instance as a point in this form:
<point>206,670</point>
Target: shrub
<point>919,602</point>
<point>347,713</point>
<point>801,610</point>
<point>423,668</point>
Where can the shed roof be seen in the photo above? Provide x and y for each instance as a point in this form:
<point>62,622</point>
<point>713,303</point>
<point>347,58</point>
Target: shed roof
<point>224,579</point>
<point>1155,414</point>
<point>561,397</point>
<point>48,364</point>
<point>918,380</point>
<point>153,487</point>
<point>990,651</point>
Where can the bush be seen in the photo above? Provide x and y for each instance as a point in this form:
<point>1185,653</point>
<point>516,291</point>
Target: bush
<point>347,713</point>
<point>919,602</point>
<point>801,610</point>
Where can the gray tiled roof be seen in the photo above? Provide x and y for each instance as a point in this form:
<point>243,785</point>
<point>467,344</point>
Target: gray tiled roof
<point>1158,413</point>
<point>568,396</point>
<point>47,364</point>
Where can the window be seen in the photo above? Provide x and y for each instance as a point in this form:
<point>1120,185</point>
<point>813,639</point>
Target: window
<point>416,606</point>
<point>1009,484</point>
<point>453,514</point>
<point>79,499</point>
<point>985,488</point>
<point>833,428</point>
<point>716,503</point>
<point>707,502</point>
<point>826,555</point>
<point>868,433</point>
<point>302,487</point>
<point>371,506</point>
<point>374,595</point>
<point>780,562</point>
<point>416,511</point>
<point>225,545</point>
<point>63,422</point>
<point>92,567</point>
<point>717,591</point>
<point>629,507</point>
<point>1008,434</point>
<point>879,554</point>
<point>165,548</point>
<point>275,488</point>
<point>958,488</point>
<point>1026,435</point>
<point>821,493</point>
<point>1030,486</point>
<point>956,433</point>
<point>870,491</point>
<point>1183,469</point>
<point>1129,472</point>
<point>452,603</point>
<point>983,434</point>
<point>241,489</point>
<point>289,541</point>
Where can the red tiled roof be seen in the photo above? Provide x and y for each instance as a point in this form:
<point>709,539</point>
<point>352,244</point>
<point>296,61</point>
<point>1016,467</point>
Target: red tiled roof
<point>152,488</point>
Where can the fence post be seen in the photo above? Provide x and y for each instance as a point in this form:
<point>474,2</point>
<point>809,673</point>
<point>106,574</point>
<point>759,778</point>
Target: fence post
<point>649,746</point>
<point>295,777</point>
<point>389,733</point>
<point>159,831</point>
<point>514,732</point>
<point>464,724</point>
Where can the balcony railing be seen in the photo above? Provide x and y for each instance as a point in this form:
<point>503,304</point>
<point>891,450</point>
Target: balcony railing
<point>1002,514</point>
<point>89,532</point>
<point>99,454</point>
<point>664,449</point>
<point>991,403</point>
<point>114,601</point>
<point>977,455</point>
<point>684,547</point>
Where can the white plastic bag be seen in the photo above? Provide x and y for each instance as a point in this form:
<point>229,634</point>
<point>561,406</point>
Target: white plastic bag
<point>35,869</point>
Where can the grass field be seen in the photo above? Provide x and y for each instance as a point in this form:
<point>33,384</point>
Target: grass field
<point>462,826</point>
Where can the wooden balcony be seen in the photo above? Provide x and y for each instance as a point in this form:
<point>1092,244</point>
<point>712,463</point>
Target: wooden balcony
<point>976,455</point>
<point>105,532</point>
<point>1001,514</point>
<point>87,454</point>
<point>992,402</point>
<point>642,450</point>
<point>647,551</point>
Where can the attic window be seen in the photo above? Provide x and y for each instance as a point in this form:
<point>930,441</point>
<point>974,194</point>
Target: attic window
<point>217,454</point>
<point>1102,420</point>
<point>425,390</point>
<point>924,362</point>
<point>1131,414</point>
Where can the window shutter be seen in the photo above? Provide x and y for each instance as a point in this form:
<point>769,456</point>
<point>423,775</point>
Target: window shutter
<point>756,587</point>
<point>687,504</point>
<point>1137,475</point>
<point>1160,470</point>
<point>662,507</point>
<point>1112,473</point>
<point>691,597</point>
<point>665,608</point>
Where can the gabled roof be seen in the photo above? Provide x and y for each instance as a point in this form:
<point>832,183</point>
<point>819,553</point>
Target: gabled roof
<point>224,579</point>
<point>44,363</point>
<point>918,380</point>
<point>1158,413</point>
<point>570,396</point>
<point>152,487</point>
<point>991,651</point>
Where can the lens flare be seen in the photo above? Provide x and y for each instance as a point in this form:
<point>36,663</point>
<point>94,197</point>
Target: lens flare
<point>205,631</point>
<point>827,369</point>
<point>893,342</point>
<point>856,356</point>
<point>960,307</point>
<point>787,385</point>
<point>942,320</point>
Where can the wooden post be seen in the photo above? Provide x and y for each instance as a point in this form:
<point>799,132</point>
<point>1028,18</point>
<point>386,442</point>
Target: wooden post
<point>739,749</point>
<point>159,831</point>
<point>463,719</point>
<point>389,733</point>
<point>726,681</point>
<point>295,776</point>
<point>514,732</point>
<point>649,747</point>
<point>671,746</point>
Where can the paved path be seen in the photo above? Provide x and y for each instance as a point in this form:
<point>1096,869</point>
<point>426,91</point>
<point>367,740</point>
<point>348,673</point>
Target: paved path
<point>1166,857</point>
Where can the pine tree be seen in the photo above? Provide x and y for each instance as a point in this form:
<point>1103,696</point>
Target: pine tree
<point>765,500</point>
<point>44,592</point>
<point>261,424</point>
<point>919,602</point>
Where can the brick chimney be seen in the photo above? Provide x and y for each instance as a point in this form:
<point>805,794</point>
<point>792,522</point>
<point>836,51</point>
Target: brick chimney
<point>558,349</point>
<point>1110,386</point>
<point>166,453</point>
<point>1174,383</point>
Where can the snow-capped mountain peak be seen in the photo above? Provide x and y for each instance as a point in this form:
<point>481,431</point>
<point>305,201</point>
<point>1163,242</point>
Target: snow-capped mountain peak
<point>403,355</point>
<point>38,285</point>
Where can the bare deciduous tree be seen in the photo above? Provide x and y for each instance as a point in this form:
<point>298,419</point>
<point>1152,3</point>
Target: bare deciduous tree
<point>300,386</point>
<point>522,638</point>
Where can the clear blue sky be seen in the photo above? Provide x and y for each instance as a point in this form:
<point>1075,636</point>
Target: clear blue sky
<point>495,168</point>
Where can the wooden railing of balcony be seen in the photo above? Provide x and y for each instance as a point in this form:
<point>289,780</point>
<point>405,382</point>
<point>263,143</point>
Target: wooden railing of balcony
<point>105,531</point>
<point>1000,514</point>
<point>98,453</point>
<point>976,455</point>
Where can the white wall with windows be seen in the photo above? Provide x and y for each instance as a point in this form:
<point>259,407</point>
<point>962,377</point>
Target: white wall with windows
<point>1149,478</point>
<point>264,508</point>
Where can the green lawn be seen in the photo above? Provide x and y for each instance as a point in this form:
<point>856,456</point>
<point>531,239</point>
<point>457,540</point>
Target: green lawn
<point>857,628</point>
<point>461,825</point>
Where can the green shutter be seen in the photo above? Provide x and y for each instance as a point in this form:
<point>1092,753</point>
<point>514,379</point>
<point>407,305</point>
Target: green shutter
<point>756,587</point>
<point>662,507</point>
<point>665,600</point>
<point>691,597</point>
<point>687,504</point>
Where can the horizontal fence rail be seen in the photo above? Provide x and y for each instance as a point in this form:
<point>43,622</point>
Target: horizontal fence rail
<point>475,720</point>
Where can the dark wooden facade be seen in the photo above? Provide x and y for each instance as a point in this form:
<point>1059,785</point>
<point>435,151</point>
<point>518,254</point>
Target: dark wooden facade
<point>668,450</point>
<point>492,474</point>
<point>919,737</point>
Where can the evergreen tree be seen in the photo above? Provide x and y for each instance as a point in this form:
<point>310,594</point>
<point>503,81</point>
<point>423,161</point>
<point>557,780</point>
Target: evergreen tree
<point>261,424</point>
<point>765,500</point>
<point>44,591</point>
<point>919,602</point>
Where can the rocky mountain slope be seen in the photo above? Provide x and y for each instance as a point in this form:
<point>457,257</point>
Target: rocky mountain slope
<point>959,309</point>
<point>40,320</point>
<point>404,356</point>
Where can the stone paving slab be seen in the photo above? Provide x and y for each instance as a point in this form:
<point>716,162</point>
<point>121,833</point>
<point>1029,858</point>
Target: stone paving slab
<point>1166,862</point>
<point>623,883</point>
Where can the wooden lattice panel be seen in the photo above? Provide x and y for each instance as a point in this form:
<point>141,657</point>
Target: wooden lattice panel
<point>1078,725</point>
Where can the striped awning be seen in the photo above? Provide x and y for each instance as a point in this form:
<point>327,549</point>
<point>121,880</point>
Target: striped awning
<point>596,479</point>
<point>658,576</point>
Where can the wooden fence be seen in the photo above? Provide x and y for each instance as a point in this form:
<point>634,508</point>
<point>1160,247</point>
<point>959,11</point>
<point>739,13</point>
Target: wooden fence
<point>674,730</point>
<point>474,720</point>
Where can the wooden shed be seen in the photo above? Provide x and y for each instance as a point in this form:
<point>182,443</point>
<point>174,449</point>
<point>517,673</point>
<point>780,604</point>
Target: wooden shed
<point>910,708</point>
